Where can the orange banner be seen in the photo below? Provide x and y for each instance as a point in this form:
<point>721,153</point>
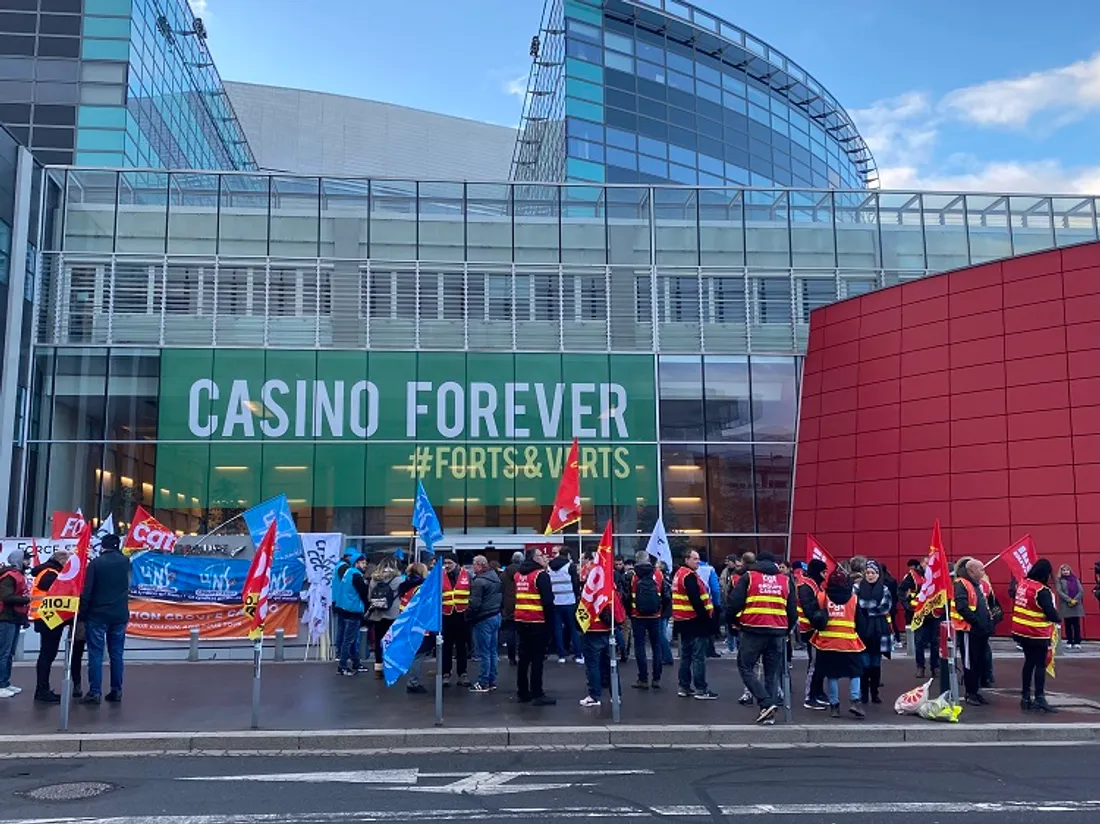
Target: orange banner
<point>168,621</point>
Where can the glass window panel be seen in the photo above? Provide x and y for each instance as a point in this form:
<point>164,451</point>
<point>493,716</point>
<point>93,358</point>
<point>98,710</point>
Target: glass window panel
<point>584,149</point>
<point>945,232</point>
<point>682,82</point>
<point>685,488</point>
<point>105,49</point>
<point>142,200</point>
<point>584,129</point>
<point>680,63</point>
<point>192,213</point>
<point>585,71</point>
<point>618,42</point>
<point>774,398</point>
<point>727,404</point>
<point>583,108</point>
<point>583,51</point>
<point>767,234</point>
<point>648,145</point>
<point>1074,220</point>
<point>773,466</point>
<point>584,90</point>
<point>621,139</point>
<point>621,62</point>
<point>721,240</point>
<point>622,158</point>
<point>577,169</point>
<point>295,216</point>
<point>680,382</point>
<point>708,92</point>
<point>578,29</point>
<point>987,226</point>
<point>651,53</point>
<point>118,27</point>
<point>651,71</point>
<point>682,174</point>
<point>653,166</point>
<point>578,11</point>
<point>730,488</point>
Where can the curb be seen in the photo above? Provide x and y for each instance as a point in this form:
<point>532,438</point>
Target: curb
<point>535,737</point>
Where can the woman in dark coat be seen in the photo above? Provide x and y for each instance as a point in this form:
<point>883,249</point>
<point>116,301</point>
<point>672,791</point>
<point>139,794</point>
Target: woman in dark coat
<point>1033,596</point>
<point>832,664</point>
<point>875,605</point>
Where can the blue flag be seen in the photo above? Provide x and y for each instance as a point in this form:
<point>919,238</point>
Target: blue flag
<point>421,616</point>
<point>287,542</point>
<point>424,519</point>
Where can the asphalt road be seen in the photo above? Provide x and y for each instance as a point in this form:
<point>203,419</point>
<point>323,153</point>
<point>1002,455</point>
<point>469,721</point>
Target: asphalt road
<point>999,785</point>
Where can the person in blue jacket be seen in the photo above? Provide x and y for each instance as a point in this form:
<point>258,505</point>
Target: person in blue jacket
<point>349,602</point>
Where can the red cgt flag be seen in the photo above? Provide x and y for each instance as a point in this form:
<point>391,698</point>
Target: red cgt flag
<point>567,503</point>
<point>62,602</point>
<point>258,584</point>
<point>599,585</point>
<point>146,532</point>
<point>1020,557</point>
<point>937,581</point>
<point>815,551</point>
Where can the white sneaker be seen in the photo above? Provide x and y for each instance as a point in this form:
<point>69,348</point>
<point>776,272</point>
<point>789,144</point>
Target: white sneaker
<point>15,690</point>
<point>579,659</point>
<point>561,660</point>
<point>589,701</point>
<point>6,692</point>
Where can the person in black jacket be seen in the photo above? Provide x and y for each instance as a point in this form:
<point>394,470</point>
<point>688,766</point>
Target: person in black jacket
<point>483,616</point>
<point>758,641</point>
<point>508,605</point>
<point>1035,649</point>
<point>532,636</point>
<point>49,640</point>
<point>814,697</point>
<point>979,627</point>
<point>105,611</point>
<point>695,633</point>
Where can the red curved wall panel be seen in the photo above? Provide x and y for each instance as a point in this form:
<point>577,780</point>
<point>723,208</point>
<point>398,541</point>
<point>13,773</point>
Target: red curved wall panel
<point>972,397</point>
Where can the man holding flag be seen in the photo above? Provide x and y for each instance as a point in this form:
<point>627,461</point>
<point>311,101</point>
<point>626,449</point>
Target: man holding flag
<point>254,597</point>
<point>599,607</point>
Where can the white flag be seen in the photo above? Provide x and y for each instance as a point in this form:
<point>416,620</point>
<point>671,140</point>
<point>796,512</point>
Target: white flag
<point>658,544</point>
<point>105,528</point>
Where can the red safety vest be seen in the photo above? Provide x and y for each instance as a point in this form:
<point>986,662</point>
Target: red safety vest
<point>766,603</point>
<point>20,589</point>
<point>839,634</point>
<point>682,610</point>
<point>1028,618</point>
<point>456,597</point>
<point>804,624</point>
<point>528,599</point>
<point>659,579</point>
<point>971,599</point>
<point>598,625</point>
<point>408,596</point>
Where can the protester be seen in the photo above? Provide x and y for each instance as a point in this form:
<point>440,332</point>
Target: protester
<point>996,615</point>
<point>665,622</point>
<point>897,627</point>
<point>508,605</point>
<point>809,586</point>
<point>414,578</point>
<point>1033,620</point>
<point>748,561</point>
<point>839,624</point>
<point>709,576</point>
<point>105,610</point>
<point>726,581</point>
<point>1071,604</point>
<point>692,613</point>
<point>597,649</point>
<point>384,605</point>
<point>566,584</point>
<point>483,616</point>
<point>534,606</point>
<point>49,640</point>
<point>649,593</point>
<point>765,605</point>
<point>875,606</point>
<point>347,557</point>
<point>970,617</point>
<point>349,601</point>
<point>15,602</point>
<point>456,600</point>
<point>623,630</point>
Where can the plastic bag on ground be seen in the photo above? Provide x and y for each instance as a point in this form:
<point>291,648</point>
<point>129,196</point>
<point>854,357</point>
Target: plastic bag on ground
<point>908,703</point>
<point>940,709</point>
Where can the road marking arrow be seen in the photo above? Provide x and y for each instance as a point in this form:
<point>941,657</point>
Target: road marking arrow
<point>488,783</point>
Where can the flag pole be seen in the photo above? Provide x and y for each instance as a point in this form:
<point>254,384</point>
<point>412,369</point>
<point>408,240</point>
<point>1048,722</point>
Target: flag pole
<point>439,651</point>
<point>257,660</point>
<point>613,646</point>
<point>67,679</point>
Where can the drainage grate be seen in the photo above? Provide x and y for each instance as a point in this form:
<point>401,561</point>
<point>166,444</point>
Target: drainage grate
<point>73,791</point>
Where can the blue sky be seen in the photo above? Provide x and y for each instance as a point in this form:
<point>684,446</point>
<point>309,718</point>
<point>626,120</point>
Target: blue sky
<point>991,95</point>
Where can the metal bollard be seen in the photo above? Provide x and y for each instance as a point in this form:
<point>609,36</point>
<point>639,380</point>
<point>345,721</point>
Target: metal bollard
<point>364,644</point>
<point>910,643</point>
<point>20,653</point>
<point>280,642</point>
<point>193,649</point>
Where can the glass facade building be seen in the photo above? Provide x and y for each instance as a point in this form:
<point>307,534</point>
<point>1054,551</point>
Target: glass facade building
<point>659,91</point>
<point>115,83</point>
<point>202,341</point>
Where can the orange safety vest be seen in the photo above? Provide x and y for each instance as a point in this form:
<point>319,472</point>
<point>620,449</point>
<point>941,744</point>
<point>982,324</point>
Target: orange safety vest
<point>38,593</point>
<point>804,624</point>
<point>839,634</point>
<point>528,599</point>
<point>682,610</point>
<point>658,579</point>
<point>972,601</point>
<point>766,602</point>
<point>408,596</point>
<point>456,597</point>
<point>1028,618</point>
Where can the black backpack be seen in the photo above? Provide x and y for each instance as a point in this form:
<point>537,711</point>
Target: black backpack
<point>382,596</point>
<point>647,595</point>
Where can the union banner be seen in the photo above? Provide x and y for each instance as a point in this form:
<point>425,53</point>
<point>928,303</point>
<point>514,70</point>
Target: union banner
<point>173,621</point>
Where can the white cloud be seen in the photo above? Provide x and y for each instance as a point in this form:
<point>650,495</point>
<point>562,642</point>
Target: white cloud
<point>200,8</point>
<point>1069,92</point>
<point>904,133</point>
<point>517,86</point>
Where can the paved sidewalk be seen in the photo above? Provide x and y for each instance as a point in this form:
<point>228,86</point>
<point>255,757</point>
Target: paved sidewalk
<point>215,697</point>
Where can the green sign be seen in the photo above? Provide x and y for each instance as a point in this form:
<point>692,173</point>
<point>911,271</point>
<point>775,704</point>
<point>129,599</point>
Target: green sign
<point>361,428</point>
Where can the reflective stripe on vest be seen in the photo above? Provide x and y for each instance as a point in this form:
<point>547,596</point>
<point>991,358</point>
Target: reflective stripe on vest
<point>914,594</point>
<point>562,584</point>
<point>682,610</point>
<point>804,624</point>
<point>972,601</point>
<point>528,599</point>
<point>456,597</point>
<point>1028,618</point>
<point>766,602</point>
<point>839,634</point>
